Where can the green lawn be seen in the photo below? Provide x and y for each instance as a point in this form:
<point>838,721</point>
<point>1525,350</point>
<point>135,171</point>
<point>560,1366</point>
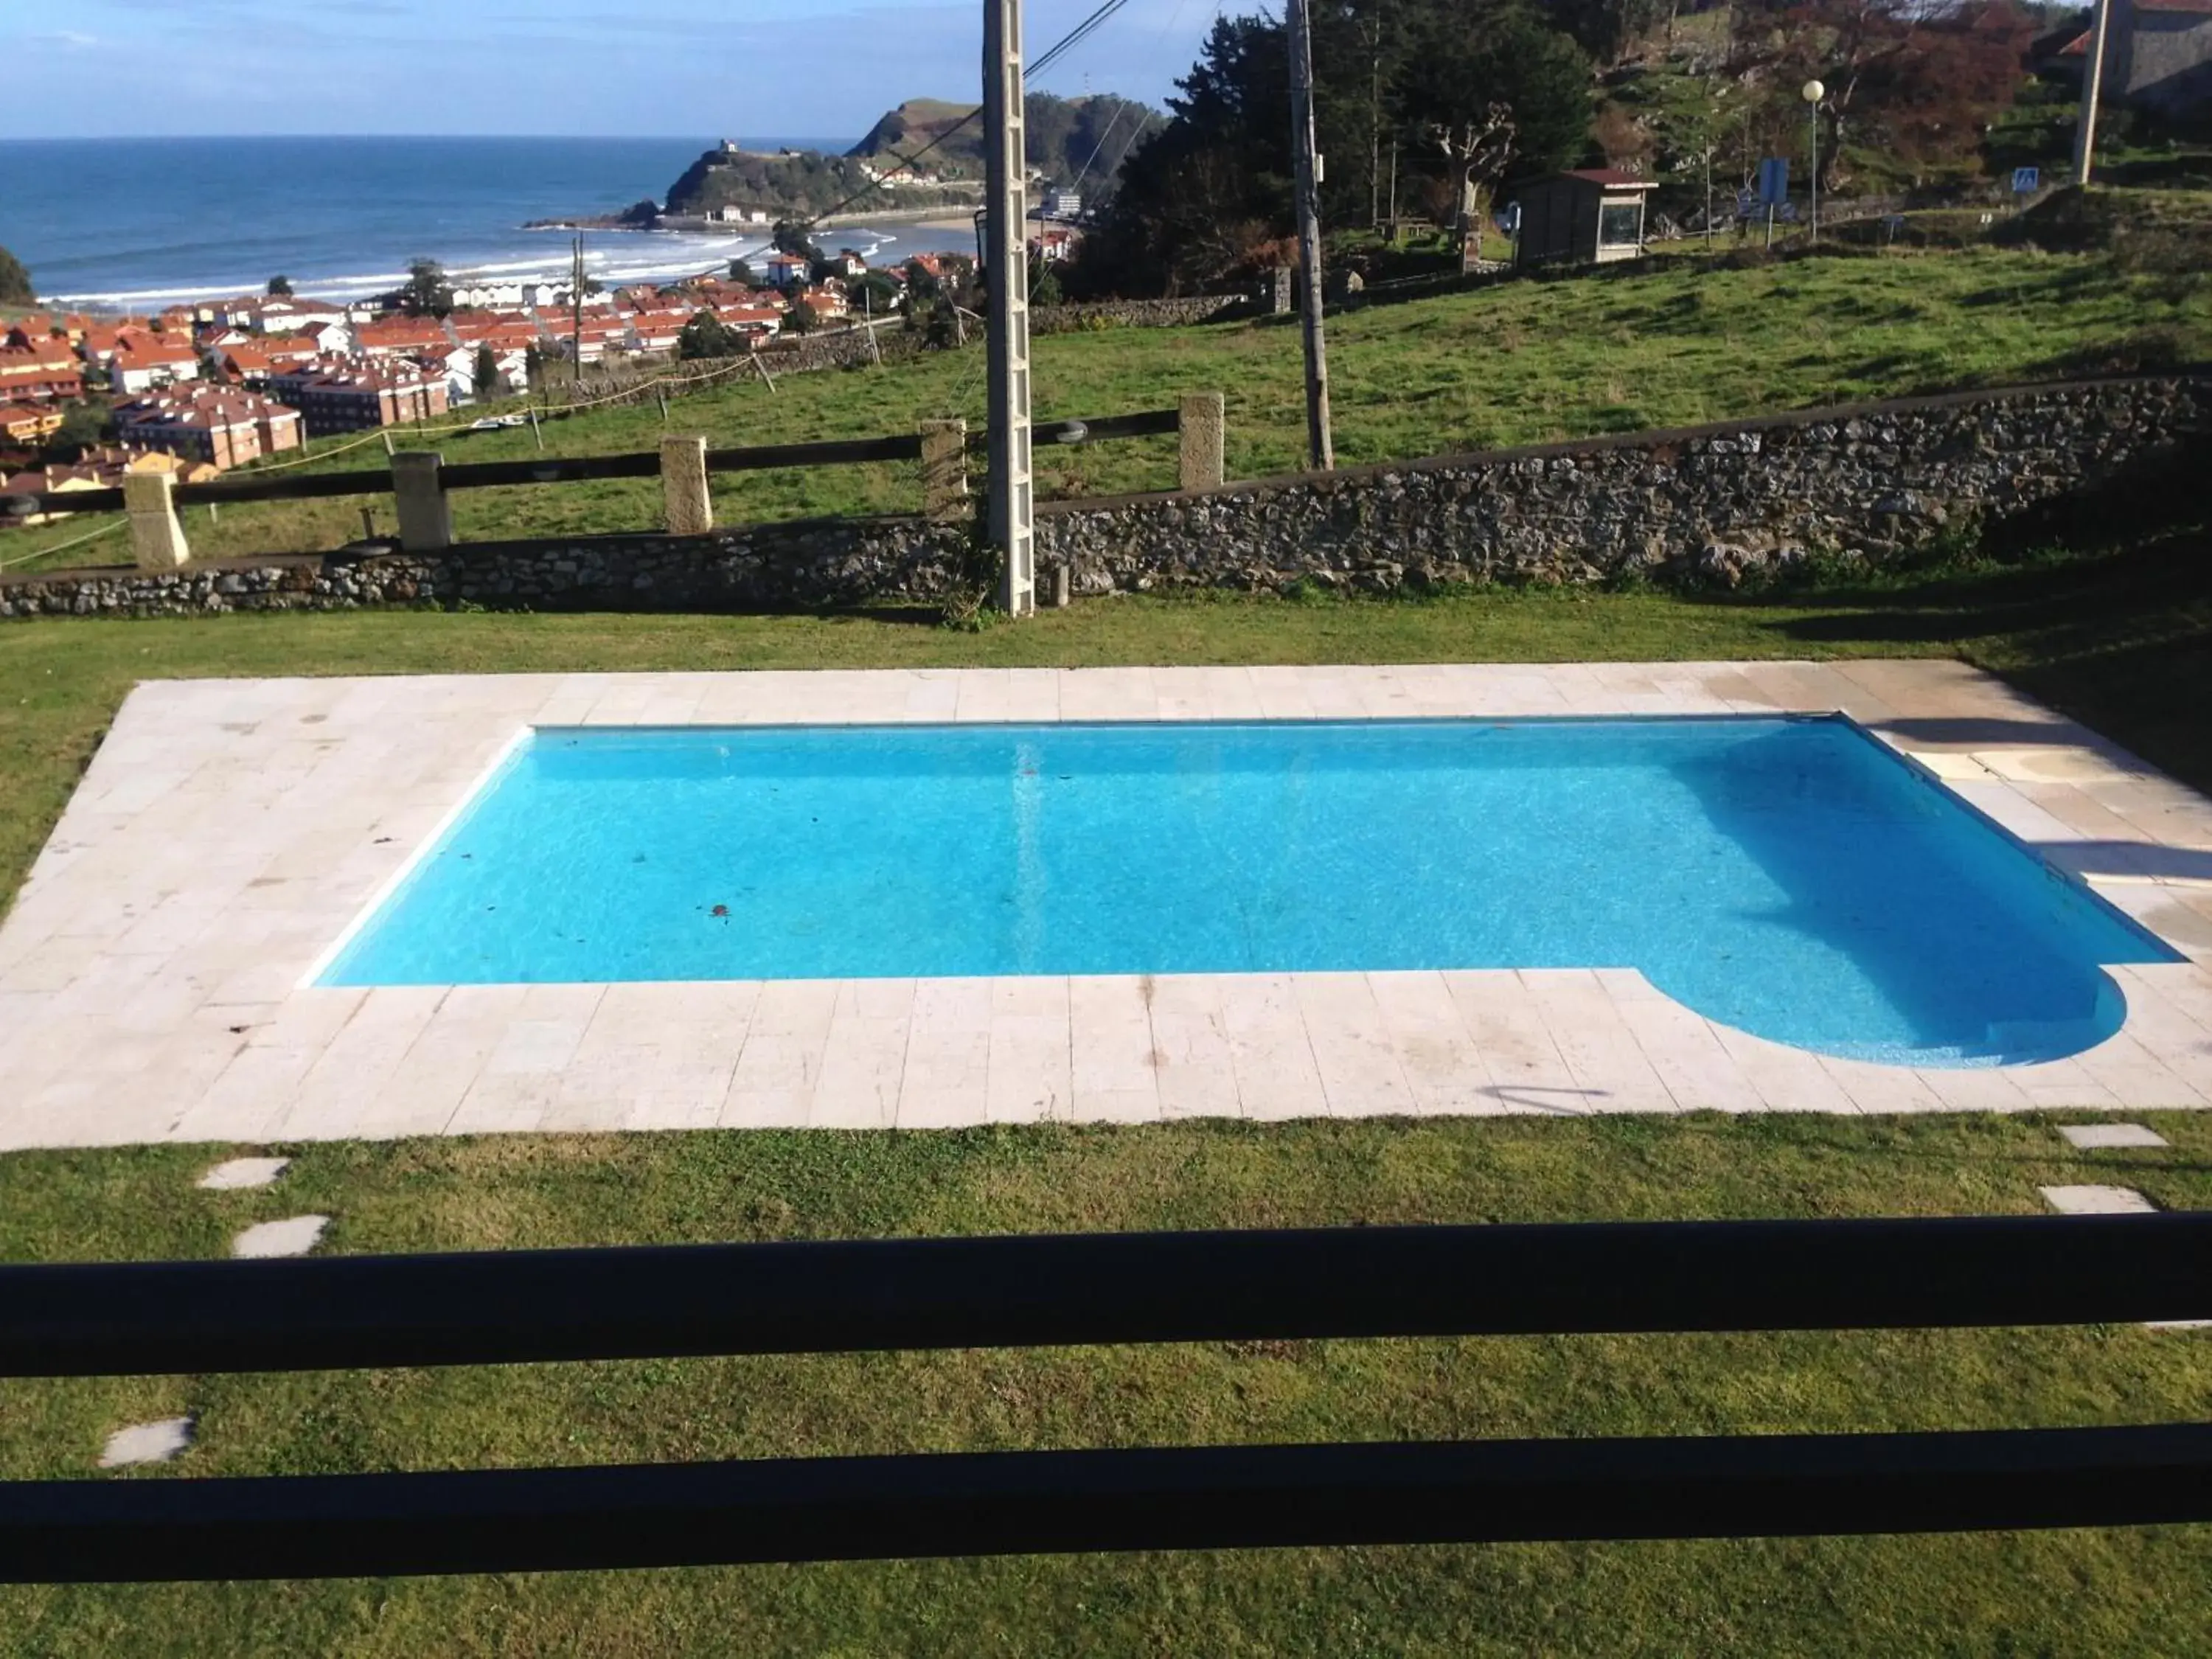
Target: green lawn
<point>2122,639</point>
<point>2103,1592</point>
<point>1519,363</point>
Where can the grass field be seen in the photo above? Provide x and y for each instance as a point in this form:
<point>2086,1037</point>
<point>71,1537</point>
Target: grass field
<point>2123,639</point>
<point>2102,1592</point>
<point>1523,362</point>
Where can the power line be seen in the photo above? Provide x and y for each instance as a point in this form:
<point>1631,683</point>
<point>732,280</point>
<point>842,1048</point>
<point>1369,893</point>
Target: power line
<point>1052,54</point>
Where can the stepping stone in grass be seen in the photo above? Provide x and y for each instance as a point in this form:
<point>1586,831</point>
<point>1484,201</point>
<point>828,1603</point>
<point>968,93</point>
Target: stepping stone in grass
<point>2095,1137</point>
<point>294,1236</point>
<point>2097,1200</point>
<point>146,1442</point>
<point>245,1172</point>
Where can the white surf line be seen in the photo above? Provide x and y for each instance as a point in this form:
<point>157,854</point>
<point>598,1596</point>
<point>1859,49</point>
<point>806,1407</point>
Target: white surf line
<point>392,884</point>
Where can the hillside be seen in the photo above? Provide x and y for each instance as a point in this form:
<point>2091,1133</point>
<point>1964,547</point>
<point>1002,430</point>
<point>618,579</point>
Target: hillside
<point>795,183</point>
<point>1519,363</point>
<point>1068,138</point>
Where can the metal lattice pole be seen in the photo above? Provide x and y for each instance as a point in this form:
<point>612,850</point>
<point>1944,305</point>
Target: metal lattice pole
<point>1007,272</point>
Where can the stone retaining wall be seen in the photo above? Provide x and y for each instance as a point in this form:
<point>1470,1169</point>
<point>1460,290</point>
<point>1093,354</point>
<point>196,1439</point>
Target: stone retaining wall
<point>1710,503</point>
<point>1704,503</point>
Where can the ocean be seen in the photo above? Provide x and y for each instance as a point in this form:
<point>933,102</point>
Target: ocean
<point>138,223</point>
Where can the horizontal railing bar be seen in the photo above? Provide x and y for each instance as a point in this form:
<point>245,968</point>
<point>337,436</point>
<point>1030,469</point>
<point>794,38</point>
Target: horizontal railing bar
<point>844,453</point>
<point>547,469</point>
<point>1150,423</point>
<point>1035,1503</point>
<point>86,1319</point>
<point>67,501</point>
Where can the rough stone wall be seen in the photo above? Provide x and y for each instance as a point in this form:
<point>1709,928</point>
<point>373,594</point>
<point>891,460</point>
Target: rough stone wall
<point>1709,503</point>
<point>821,563</point>
<point>1098,316</point>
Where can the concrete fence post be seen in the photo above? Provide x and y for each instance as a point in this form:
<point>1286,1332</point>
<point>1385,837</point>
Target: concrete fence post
<point>157,540</point>
<point>426,517</point>
<point>690,508</point>
<point>1201,434</point>
<point>944,468</point>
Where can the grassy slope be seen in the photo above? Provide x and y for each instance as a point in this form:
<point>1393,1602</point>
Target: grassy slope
<point>2110,1592</point>
<point>1520,363</point>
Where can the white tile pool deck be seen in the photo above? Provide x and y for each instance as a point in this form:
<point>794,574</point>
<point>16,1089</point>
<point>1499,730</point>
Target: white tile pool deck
<point>229,831</point>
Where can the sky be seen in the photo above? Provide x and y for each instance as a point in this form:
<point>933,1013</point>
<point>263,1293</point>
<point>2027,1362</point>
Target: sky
<point>823,68</point>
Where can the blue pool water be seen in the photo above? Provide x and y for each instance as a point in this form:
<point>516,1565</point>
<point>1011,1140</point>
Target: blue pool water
<point>1787,876</point>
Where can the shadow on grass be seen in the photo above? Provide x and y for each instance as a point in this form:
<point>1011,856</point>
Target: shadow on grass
<point>2121,641</point>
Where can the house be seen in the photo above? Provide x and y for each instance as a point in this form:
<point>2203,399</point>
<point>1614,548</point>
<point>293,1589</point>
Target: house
<point>457,363</point>
<point>141,363</point>
<point>826,301</point>
<point>1593,215</point>
<point>220,425</point>
<point>785,270</point>
<point>401,337</point>
<point>288,314</point>
<point>849,264</point>
<point>763,321</point>
<point>2158,55</point>
<point>355,394</point>
<point>28,422</point>
<point>41,370</point>
<point>244,365</point>
<point>1054,243</point>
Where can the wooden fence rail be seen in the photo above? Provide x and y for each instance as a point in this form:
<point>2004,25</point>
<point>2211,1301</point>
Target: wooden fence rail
<point>420,482</point>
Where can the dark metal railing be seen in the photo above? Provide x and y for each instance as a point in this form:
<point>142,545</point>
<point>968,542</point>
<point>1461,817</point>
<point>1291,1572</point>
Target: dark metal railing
<point>127,1318</point>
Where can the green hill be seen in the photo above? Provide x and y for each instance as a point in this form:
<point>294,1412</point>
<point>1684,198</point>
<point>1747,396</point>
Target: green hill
<point>1068,138</point>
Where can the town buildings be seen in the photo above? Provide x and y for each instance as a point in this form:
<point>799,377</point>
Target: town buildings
<point>354,394</point>
<point>220,425</point>
<point>40,371</point>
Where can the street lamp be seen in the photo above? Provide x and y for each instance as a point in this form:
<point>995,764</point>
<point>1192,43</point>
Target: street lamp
<point>1813,92</point>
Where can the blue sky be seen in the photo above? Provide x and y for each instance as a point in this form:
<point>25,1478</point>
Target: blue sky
<point>750,68</point>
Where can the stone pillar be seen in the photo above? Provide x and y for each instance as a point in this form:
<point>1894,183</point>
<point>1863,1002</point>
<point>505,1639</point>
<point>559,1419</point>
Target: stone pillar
<point>683,486</point>
<point>426,518</point>
<point>1200,432</point>
<point>157,540</point>
<point>944,469</point>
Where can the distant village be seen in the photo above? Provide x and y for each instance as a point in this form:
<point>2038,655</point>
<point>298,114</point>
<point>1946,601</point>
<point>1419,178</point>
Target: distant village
<point>199,389</point>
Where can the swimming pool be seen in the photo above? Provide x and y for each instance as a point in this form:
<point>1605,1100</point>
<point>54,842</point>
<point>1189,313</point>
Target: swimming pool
<point>1788,876</point>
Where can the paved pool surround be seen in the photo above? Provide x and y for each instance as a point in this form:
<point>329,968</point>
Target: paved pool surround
<point>155,974</point>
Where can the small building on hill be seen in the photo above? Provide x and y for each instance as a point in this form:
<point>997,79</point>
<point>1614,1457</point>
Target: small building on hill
<point>2158,55</point>
<point>1591,216</point>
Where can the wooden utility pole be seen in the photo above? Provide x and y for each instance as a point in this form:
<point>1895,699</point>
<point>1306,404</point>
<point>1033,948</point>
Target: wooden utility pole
<point>1006,270</point>
<point>576,311</point>
<point>1321,451</point>
<point>2092,88</point>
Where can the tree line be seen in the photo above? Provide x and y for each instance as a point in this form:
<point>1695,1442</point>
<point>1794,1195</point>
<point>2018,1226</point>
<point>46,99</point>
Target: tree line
<point>1426,108</point>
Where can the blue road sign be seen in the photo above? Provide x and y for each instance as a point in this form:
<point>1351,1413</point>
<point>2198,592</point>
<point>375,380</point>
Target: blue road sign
<point>1773,181</point>
<point>2026,181</point>
<point>1509,221</point>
